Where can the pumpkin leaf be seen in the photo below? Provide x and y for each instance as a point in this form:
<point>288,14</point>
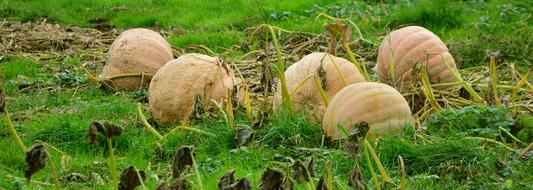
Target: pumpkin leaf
<point>182,160</point>
<point>227,182</point>
<point>303,171</point>
<point>129,178</point>
<point>227,179</point>
<point>271,179</point>
<point>355,178</point>
<point>76,177</point>
<point>35,160</point>
<point>197,109</point>
<point>322,185</point>
<point>287,183</point>
<point>241,184</point>
<point>300,172</point>
<point>243,134</point>
<point>106,128</point>
<point>352,145</point>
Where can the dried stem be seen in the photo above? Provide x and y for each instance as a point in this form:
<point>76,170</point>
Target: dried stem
<point>493,81</point>
<point>403,182</point>
<point>142,118</point>
<point>54,172</point>
<point>14,133</point>
<point>321,90</point>
<point>491,141</point>
<point>371,168</point>
<point>526,150</point>
<point>381,169</point>
<point>112,163</point>
<point>196,172</point>
<point>466,86</point>
<point>285,97</point>
<point>427,90</point>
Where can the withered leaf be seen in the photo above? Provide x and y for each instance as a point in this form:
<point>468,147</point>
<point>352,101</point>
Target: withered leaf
<point>322,75</point>
<point>197,109</point>
<point>287,183</point>
<point>300,172</point>
<point>227,179</point>
<point>227,182</point>
<point>355,178</point>
<point>241,184</point>
<point>180,184</point>
<point>243,134</point>
<point>182,160</point>
<point>322,185</point>
<point>129,178</point>
<point>337,30</point>
<point>352,145</point>
<point>35,160</point>
<point>271,179</point>
<point>311,167</point>
<point>162,186</point>
<point>76,177</point>
<point>2,99</point>
<point>106,128</point>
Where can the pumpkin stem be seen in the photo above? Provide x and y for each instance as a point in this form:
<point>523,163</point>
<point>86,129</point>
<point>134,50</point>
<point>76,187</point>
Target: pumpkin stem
<point>142,119</point>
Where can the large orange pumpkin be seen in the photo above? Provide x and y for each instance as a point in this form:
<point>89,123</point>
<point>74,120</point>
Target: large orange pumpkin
<point>173,89</point>
<point>337,73</point>
<point>409,45</point>
<point>381,106</point>
<point>135,51</point>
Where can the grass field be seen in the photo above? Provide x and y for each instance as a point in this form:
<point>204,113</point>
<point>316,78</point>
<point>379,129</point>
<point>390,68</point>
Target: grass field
<point>51,100</point>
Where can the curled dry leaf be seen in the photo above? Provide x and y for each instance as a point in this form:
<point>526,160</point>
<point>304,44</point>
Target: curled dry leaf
<point>355,178</point>
<point>335,31</point>
<point>243,134</point>
<point>322,184</point>
<point>182,160</point>
<point>129,178</point>
<point>35,160</point>
<point>311,167</point>
<point>287,183</point>
<point>226,179</point>
<point>106,128</point>
<point>241,184</point>
<point>352,146</point>
<point>227,182</point>
<point>271,179</point>
<point>301,173</point>
<point>76,177</point>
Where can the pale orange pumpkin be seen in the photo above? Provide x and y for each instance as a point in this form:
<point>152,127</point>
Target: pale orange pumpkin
<point>408,46</point>
<point>174,86</point>
<point>381,106</point>
<point>337,73</point>
<point>135,51</point>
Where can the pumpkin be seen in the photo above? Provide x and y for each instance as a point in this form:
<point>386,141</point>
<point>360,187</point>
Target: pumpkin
<point>135,51</point>
<point>410,45</point>
<point>336,74</point>
<point>384,109</point>
<point>177,84</point>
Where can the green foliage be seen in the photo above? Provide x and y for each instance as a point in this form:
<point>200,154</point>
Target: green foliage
<point>476,120</point>
<point>291,130</point>
<point>433,14</point>
<point>19,67</point>
<point>458,158</point>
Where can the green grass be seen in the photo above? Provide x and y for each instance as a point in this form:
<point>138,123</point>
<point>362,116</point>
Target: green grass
<point>53,101</point>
